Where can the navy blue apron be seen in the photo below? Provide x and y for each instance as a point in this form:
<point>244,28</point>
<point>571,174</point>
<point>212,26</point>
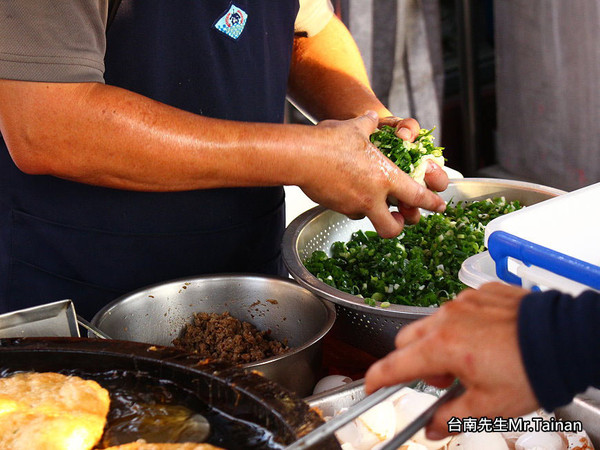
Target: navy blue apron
<point>60,239</point>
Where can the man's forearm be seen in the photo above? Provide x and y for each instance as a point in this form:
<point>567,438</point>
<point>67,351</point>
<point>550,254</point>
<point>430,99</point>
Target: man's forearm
<point>328,78</point>
<point>107,136</point>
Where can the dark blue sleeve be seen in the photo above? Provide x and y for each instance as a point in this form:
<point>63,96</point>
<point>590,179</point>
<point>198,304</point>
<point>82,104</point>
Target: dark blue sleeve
<point>559,337</point>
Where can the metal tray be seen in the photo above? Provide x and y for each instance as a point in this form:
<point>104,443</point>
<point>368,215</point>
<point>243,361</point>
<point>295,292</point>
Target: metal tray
<point>57,319</point>
<point>372,328</point>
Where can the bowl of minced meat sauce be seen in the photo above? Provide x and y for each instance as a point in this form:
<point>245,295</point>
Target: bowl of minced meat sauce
<point>264,323</point>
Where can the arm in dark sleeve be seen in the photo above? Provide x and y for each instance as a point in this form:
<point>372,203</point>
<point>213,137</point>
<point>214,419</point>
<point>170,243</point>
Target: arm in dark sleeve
<point>559,337</point>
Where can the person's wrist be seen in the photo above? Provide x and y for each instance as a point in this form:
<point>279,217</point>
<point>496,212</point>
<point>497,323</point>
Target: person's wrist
<point>306,154</point>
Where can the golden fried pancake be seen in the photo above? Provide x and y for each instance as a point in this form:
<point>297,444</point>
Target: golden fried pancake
<point>51,411</point>
<point>143,445</point>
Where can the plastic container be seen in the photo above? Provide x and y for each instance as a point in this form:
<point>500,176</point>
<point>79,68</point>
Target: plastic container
<point>554,244</point>
<point>477,270</point>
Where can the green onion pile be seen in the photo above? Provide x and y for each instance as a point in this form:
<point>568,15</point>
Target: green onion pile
<point>406,155</point>
<point>419,267</point>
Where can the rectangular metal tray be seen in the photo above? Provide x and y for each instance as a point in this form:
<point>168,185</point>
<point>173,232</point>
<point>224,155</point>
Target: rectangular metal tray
<point>57,319</point>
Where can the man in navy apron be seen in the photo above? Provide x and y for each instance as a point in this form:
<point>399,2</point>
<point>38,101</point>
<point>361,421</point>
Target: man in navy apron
<point>114,191</point>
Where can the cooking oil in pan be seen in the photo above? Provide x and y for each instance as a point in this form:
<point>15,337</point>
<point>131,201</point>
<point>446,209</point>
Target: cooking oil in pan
<point>143,407</point>
<point>158,423</point>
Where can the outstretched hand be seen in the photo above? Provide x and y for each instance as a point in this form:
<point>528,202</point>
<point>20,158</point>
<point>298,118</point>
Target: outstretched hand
<point>473,338</point>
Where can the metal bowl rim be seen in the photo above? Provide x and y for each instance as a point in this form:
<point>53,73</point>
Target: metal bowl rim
<point>329,308</point>
<point>306,279</point>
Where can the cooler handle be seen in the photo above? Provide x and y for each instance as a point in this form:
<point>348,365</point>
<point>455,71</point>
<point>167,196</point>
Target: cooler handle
<point>503,245</point>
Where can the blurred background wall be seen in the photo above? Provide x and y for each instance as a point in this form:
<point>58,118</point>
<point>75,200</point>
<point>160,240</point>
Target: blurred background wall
<point>400,41</point>
<point>548,90</point>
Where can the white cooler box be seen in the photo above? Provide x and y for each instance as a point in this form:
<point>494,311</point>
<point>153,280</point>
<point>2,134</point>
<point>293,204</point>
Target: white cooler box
<point>554,244</point>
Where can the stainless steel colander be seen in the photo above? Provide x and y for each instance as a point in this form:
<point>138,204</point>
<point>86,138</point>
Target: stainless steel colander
<point>373,328</point>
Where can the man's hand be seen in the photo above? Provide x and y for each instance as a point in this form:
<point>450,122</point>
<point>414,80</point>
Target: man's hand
<point>435,177</point>
<point>350,175</point>
<point>406,129</point>
<point>473,338</point>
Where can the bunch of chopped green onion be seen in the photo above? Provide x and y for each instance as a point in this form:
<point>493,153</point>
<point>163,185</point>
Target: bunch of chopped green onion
<point>403,153</point>
<point>419,267</point>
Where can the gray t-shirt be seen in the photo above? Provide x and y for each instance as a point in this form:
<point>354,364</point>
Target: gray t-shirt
<point>53,41</point>
<point>64,40</point>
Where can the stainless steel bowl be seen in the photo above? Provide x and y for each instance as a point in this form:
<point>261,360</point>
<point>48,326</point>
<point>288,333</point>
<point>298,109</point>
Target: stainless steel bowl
<point>157,314</point>
<point>372,328</point>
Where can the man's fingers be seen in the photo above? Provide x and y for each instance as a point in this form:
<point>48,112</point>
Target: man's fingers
<point>390,121</point>
<point>413,331</point>
<point>367,123</point>
<point>435,177</point>
<point>440,381</point>
<point>406,129</point>
<point>410,214</point>
<point>385,222</point>
<point>357,216</point>
<point>412,194</point>
<point>399,217</point>
<point>472,296</point>
<point>492,294</point>
<point>503,289</point>
<point>415,361</point>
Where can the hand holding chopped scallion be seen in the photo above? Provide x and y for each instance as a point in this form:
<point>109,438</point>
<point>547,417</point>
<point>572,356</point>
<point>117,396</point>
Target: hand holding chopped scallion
<point>408,156</point>
<point>419,267</point>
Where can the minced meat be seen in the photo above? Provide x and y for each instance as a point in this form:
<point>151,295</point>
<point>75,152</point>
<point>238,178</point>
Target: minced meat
<point>221,336</point>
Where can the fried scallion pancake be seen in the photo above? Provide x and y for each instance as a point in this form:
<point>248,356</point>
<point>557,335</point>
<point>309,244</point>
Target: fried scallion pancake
<point>51,411</point>
<point>143,445</point>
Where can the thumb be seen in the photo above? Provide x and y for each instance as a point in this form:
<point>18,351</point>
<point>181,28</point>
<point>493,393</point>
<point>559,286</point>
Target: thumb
<point>368,121</point>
